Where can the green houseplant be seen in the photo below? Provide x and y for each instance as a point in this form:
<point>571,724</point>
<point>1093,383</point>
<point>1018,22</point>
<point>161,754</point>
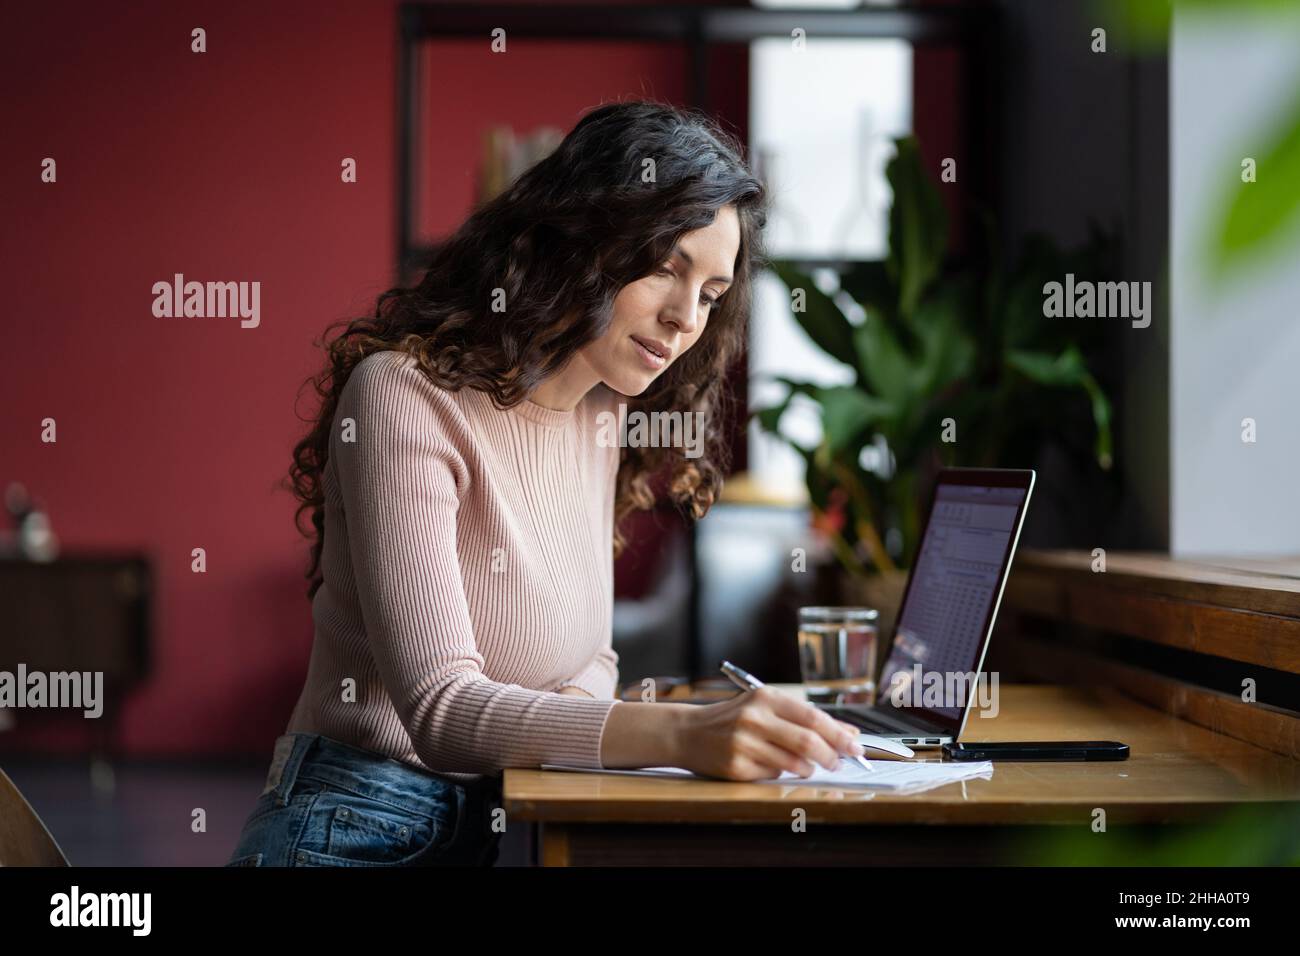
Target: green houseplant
<point>950,367</point>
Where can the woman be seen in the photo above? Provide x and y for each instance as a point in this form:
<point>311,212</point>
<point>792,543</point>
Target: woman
<point>465,496</point>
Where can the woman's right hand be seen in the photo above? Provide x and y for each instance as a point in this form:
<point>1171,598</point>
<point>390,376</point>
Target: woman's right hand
<point>757,734</point>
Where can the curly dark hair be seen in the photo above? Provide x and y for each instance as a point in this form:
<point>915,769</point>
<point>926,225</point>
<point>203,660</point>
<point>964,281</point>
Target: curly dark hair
<point>562,241</point>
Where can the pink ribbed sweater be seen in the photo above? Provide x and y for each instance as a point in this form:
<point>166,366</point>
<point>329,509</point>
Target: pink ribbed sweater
<point>468,575</point>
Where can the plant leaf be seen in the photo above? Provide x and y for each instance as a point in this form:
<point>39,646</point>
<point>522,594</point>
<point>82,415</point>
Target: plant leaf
<point>885,364</point>
<point>871,286</point>
<point>846,412</point>
<point>1259,211</point>
<point>822,319</point>
<point>1068,370</point>
<point>918,225</point>
<point>1046,369</point>
<point>948,349</point>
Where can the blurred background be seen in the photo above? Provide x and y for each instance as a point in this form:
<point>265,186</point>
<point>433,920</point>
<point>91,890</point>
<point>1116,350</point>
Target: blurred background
<point>933,164</point>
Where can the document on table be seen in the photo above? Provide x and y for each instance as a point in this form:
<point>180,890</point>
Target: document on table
<point>895,776</point>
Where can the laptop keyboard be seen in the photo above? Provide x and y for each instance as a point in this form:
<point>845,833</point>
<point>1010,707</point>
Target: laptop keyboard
<point>864,719</point>
<point>871,722</point>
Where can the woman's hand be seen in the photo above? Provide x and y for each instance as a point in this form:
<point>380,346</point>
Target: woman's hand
<point>573,691</point>
<point>758,734</point>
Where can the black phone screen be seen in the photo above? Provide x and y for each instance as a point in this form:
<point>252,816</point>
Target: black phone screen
<point>1039,750</point>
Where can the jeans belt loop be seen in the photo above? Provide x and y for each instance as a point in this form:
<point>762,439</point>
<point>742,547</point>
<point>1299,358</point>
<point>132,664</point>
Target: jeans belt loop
<point>290,750</point>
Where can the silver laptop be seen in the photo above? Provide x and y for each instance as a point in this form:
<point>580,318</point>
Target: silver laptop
<point>951,601</point>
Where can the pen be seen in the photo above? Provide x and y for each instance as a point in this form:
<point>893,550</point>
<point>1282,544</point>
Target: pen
<point>747,681</point>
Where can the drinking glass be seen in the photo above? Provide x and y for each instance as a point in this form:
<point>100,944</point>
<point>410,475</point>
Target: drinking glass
<point>837,654</point>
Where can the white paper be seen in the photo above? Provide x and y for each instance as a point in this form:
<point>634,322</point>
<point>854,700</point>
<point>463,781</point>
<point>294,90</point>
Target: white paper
<point>896,776</point>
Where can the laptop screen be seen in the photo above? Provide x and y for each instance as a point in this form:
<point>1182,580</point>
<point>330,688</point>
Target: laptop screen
<point>956,582</point>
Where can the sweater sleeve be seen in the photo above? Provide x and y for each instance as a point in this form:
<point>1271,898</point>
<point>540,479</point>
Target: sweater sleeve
<point>600,677</point>
<point>401,478</point>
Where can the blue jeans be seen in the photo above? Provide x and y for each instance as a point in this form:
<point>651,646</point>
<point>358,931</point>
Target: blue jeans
<point>327,803</point>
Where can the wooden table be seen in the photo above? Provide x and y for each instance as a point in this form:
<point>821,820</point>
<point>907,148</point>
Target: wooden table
<point>1178,772</point>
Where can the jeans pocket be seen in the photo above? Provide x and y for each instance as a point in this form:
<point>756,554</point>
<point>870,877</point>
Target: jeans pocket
<point>347,829</point>
<point>265,804</point>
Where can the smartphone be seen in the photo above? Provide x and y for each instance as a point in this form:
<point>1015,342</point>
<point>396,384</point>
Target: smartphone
<point>1039,750</point>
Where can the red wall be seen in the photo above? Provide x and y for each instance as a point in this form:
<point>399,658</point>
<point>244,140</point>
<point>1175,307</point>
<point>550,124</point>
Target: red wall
<point>173,432</point>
